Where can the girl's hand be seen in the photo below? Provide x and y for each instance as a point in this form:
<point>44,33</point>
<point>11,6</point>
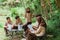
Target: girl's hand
<point>35,28</point>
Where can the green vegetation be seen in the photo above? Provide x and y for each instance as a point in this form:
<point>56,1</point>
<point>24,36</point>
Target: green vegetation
<point>50,10</point>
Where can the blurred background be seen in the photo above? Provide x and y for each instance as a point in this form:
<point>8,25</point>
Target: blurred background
<point>50,10</point>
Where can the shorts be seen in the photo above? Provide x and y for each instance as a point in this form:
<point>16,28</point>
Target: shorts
<point>29,23</point>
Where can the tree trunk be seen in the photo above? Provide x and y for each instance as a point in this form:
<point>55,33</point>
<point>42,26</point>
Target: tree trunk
<point>44,9</point>
<point>50,8</point>
<point>49,4</point>
<point>58,3</point>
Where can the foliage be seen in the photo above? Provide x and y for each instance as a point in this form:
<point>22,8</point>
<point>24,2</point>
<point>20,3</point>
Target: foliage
<point>2,0</point>
<point>14,12</point>
<point>54,25</point>
<point>1,25</point>
<point>18,8</point>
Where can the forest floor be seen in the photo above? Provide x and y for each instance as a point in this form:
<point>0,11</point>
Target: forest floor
<point>2,35</point>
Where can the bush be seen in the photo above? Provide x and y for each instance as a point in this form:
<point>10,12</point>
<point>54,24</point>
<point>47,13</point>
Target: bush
<point>53,25</point>
<point>1,25</point>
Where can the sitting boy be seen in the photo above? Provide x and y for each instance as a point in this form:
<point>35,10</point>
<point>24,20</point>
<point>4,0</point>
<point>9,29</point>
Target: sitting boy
<point>8,25</point>
<point>18,24</point>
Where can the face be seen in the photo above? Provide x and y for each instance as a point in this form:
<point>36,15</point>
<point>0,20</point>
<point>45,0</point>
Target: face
<point>28,10</point>
<point>18,20</point>
<point>38,18</point>
<point>9,20</point>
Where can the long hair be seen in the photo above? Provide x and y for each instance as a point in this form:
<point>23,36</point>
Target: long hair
<point>41,21</point>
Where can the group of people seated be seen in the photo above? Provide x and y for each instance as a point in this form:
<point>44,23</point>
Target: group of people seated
<point>32,32</point>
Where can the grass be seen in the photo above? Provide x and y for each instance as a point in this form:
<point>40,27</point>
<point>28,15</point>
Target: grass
<point>2,34</point>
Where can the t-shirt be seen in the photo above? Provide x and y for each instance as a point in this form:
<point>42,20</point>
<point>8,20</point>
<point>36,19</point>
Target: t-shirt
<point>20,27</point>
<point>30,27</point>
<point>9,26</point>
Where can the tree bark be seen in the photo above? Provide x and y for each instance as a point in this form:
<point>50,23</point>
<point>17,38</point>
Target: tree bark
<point>57,3</point>
<point>44,9</point>
<point>49,4</point>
